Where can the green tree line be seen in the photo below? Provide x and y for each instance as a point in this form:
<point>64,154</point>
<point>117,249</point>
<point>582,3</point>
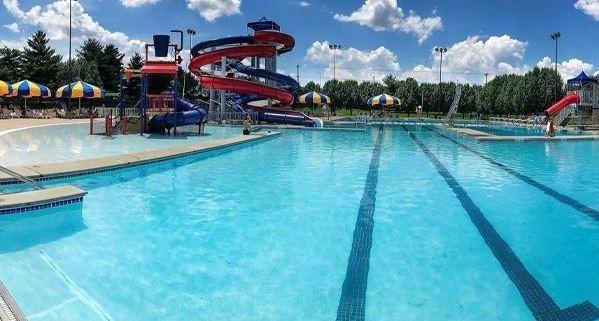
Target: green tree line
<point>506,94</point>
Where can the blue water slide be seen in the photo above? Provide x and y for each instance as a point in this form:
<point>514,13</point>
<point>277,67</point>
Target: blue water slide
<point>188,114</point>
<point>221,42</point>
<point>284,80</point>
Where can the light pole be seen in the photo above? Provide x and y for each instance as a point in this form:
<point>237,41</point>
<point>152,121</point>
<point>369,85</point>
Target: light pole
<point>191,33</point>
<point>334,48</point>
<point>70,65</point>
<point>555,36</point>
<point>297,73</point>
<point>440,50</point>
<point>486,77</point>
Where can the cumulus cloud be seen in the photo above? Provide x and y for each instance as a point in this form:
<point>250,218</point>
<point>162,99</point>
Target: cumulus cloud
<point>14,27</point>
<point>568,69</point>
<point>383,15</point>
<point>53,18</point>
<point>469,60</point>
<point>353,63</point>
<point>304,4</point>
<point>212,9</point>
<point>589,7</point>
<point>137,3</point>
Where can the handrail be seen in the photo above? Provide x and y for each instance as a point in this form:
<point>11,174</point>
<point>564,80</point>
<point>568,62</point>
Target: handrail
<point>21,178</point>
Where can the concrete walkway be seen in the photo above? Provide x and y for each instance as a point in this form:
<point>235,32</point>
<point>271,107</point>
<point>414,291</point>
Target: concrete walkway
<point>20,123</point>
<point>89,166</point>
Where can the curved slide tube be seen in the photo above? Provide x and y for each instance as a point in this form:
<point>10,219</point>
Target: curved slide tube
<point>187,114</point>
<point>560,105</point>
<point>262,44</point>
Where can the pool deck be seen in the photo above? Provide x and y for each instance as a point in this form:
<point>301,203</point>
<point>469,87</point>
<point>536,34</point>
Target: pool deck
<point>12,124</point>
<point>43,172</point>
<point>482,136</point>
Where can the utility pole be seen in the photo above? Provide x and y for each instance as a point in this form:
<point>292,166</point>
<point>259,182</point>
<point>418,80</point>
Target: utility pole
<point>191,33</point>
<point>334,48</point>
<point>70,50</point>
<point>555,36</point>
<point>440,50</point>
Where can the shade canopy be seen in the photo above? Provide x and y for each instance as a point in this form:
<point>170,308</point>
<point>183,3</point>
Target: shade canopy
<point>582,79</point>
<point>29,89</point>
<point>79,89</point>
<point>384,100</point>
<point>314,98</point>
<point>5,88</point>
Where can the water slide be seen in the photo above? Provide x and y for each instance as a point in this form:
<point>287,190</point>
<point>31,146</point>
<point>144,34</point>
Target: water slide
<point>562,109</point>
<point>263,44</point>
<point>187,113</point>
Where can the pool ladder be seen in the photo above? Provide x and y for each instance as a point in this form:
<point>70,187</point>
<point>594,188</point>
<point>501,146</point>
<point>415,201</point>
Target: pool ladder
<point>21,178</point>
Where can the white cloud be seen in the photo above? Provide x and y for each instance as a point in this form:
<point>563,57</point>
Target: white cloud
<point>304,4</point>
<point>137,3</point>
<point>568,69</point>
<point>387,15</point>
<point>469,60</point>
<point>212,9</point>
<point>589,7</point>
<point>53,18</point>
<point>14,27</point>
<point>353,63</point>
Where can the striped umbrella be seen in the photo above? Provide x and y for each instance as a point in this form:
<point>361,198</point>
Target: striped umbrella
<point>383,100</point>
<point>79,89</point>
<point>314,98</point>
<point>5,88</point>
<point>29,89</point>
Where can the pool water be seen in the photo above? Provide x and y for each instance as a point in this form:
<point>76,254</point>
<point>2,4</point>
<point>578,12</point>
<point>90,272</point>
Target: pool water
<point>50,144</point>
<point>394,223</point>
<point>507,130</point>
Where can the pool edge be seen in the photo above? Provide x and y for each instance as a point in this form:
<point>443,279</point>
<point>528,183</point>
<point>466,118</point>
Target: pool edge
<point>50,171</point>
<point>9,310</point>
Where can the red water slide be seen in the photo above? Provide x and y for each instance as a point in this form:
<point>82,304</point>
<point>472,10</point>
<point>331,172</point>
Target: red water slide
<point>267,44</point>
<point>565,102</point>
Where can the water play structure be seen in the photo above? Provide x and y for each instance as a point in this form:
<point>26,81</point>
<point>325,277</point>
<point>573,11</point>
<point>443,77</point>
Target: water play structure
<point>582,97</point>
<point>217,63</point>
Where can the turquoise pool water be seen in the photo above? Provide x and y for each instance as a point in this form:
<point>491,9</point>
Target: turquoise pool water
<point>49,144</point>
<point>394,223</point>
<point>507,130</point>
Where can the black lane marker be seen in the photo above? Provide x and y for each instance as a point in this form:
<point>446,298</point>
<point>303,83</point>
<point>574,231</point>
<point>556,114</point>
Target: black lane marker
<point>352,304</point>
<point>592,213</point>
<point>540,303</point>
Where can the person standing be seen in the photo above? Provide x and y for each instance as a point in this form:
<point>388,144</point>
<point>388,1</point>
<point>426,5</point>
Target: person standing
<point>247,125</point>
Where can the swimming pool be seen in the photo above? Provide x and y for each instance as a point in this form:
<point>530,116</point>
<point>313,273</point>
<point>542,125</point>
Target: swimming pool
<point>393,223</point>
<point>508,130</point>
<point>49,144</point>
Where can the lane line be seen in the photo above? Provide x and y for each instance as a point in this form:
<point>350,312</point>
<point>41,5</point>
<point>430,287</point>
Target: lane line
<point>591,212</point>
<point>540,303</point>
<point>352,303</point>
<point>75,289</point>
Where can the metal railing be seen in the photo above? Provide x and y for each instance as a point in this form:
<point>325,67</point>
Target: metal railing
<point>21,178</point>
<point>454,107</point>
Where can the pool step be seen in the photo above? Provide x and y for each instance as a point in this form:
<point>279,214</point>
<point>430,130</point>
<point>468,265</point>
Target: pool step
<point>40,199</point>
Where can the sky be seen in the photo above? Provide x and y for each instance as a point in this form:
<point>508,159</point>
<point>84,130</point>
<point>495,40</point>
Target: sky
<point>378,37</point>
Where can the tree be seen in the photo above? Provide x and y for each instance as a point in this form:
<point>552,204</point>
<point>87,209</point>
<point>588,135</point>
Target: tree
<point>11,65</point>
<point>41,63</point>
<point>136,61</point>
<point>81,70</point>
<point>311,86</point>
<point>91,50</point>
<point>110,67</point>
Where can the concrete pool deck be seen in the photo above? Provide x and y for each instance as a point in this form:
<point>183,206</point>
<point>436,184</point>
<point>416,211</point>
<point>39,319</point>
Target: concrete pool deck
<point>48,171</point>
<point>12,124</point>
<point>482,136</point>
